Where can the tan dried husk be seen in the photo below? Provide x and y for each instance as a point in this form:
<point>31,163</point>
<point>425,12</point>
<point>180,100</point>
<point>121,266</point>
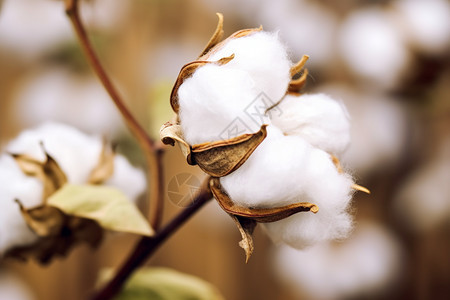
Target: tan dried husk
<point>220,158</point>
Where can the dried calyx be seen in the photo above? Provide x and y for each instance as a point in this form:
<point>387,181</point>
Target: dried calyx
<point>222,157</point>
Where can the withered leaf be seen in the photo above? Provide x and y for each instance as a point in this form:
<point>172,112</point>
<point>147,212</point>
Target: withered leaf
<point>246,228</point>
<point>106,205</point>
<point>49,172</point>
<point>171,133</point>
<point>186,72</point>
<point>105,166</point>
<point>43,220</point>
<point>216,37</point>
<point>72,231</point>
<point>220,158</point>
<point>262,215</point>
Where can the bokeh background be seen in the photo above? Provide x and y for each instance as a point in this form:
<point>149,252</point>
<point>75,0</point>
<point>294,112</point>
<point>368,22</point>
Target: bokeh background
<point>388,60</point>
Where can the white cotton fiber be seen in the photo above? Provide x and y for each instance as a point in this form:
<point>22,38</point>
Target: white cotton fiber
<point>285,170</point>
<point>76,153</point>
<point>16,185</point>
<point>213,101</point>
<point>319,119</point>
<point>264,58</point>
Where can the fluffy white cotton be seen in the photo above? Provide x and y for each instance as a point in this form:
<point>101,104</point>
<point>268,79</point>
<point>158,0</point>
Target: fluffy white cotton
<point>217,103</point>
<point>317,118</point>
<point>29,27</point>
<point>373,47</point>
<point>76,153</point>
<point>59,95</point>
<point>285,170</point>
<point>16,185</point>
<point>423,203</point>
<point>262,56</point>
<point>426,24</point>
<point>12,288</point>
<point>366,265</point>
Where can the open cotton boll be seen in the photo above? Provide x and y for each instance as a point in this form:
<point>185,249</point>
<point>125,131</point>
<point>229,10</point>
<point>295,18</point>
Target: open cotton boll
<point>31,27</point>
<point>373,47</point>
<point>58,95</point>
<point>263,56</point>
<point>426,24</point>
<point>213,104</point>
<point>285,170</point>
<point>319,119</point>
<point>76,153</point>
<point>16,185</point>
<point>366,265</point>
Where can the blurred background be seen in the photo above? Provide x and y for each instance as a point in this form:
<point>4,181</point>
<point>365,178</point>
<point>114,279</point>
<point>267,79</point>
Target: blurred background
<point>388,60</point>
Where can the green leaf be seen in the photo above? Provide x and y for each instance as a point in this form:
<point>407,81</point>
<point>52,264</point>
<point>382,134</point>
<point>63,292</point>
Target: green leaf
<point>164,284</point>
<point>104,204</point>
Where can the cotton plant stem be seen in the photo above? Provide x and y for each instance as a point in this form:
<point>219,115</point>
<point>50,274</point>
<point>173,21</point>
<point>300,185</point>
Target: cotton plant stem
<point>153,151</point>
<point>148,245</point>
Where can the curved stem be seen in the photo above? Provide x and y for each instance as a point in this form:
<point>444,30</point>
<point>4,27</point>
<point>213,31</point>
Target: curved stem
<point>153,151</point>
<point>147,246</point>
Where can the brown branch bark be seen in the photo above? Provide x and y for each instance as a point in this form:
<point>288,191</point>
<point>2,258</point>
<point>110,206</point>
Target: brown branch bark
<point>153,151</point>
<point>147,246</point>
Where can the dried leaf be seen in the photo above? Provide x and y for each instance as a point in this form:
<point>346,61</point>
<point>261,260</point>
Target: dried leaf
<point>106,205</point>
<point>246,228</point>
<point>171,133</point>
<point>105,166</point>
<point>43,220</point>
<point>49,172</point>
<point>163,284</point>
<point>220,158</point>
<point>58,233</point>
<point>216,37</point>
<point>262,215</point>
<point>186,72</point>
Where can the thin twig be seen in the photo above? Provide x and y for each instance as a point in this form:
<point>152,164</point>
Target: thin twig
<point>147,246</point>
<point>153,151</point>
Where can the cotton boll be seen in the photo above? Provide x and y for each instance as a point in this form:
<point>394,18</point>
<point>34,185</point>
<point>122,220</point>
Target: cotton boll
<point>58,95</point>
<point>423,203</point>
<point>128,179</point>
<point>317,118</point>
<point>426,24</point>
<point>213,104</point>
<point>373,47</point>
<point>16,185</point>
<point>366,265</point>
<point>29,27</point>
<point>76,153</point>
<point>263,56</point>
<point>285,170</point>
<point>12,288</point>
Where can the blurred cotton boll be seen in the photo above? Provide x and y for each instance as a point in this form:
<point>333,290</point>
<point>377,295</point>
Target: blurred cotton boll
<point>11,288</point>
<point>365,265</point>
<point>59,95</point>
<point>423,203</point>
<point>29,27</point>
<point>373,47</point>
<point>426,24</point>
